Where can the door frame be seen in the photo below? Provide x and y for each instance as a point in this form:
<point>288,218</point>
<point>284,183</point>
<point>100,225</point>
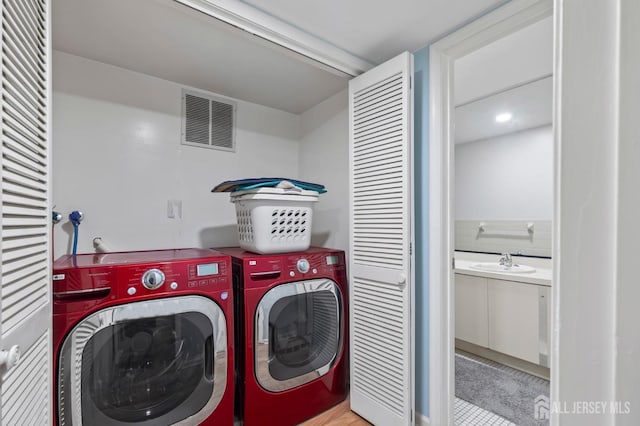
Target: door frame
<point>501,22</point>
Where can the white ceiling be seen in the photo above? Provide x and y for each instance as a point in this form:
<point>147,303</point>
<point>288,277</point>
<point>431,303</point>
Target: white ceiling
<point>511,74</point>
<point>525,55</point>
<point>174,43</point>
<point>530,105</point>
<point>170,41</point>
<point>377,30</point>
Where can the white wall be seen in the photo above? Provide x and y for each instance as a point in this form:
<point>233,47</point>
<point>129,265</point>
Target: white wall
<point>324,158</point>
<point>117,157</point>
<point>509,177</point>
<point>598,345</point>
<point>627,288</point>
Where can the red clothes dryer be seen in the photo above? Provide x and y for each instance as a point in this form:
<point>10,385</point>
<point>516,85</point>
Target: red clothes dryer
<point>291,334</point>
<point>143,338</point>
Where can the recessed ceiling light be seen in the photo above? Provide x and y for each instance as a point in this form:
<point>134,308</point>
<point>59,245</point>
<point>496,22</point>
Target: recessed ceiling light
<point>503,117</point>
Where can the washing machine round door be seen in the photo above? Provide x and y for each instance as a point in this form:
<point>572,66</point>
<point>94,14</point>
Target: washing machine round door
<point>298,333</point>
<point>149,362</point>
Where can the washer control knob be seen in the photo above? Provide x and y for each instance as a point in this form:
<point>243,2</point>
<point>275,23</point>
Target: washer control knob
<point>303,266</point>
<point>131,291</point>
<point>173,285</point>
<point>152,279</point>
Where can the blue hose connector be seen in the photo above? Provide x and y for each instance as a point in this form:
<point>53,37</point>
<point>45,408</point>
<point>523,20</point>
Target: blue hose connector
<point>75,217</point>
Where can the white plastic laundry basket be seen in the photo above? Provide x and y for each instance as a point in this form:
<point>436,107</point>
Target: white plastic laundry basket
<point>274,221</point>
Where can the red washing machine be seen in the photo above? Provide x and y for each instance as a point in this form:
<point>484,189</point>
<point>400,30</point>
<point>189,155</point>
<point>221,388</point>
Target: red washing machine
<point>291,334</point>
<point>143,338</point>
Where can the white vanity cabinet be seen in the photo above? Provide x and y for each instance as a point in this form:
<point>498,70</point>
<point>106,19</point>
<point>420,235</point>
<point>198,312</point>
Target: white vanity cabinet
<point>472,321</point>
<point>505,316</point>
<point>516,318</point>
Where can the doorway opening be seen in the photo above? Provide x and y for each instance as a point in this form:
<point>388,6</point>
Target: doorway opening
<point>491,197</point>
<point>502,220</point>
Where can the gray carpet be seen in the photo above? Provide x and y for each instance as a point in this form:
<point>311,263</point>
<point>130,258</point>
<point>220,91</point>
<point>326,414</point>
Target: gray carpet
<point>501,390</point>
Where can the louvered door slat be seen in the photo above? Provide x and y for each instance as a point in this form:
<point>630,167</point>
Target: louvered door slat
<point>373,156</point>
<point>26,30</point>
<point>30,21</point>
<point>375,92</point>
<point>23,155</point>
<point>24,63</point>
<point>389,197</point>
<point>383,188</point>
<point>380,237</point>
<point>18,113</point>
<point>25,388</point>
<point>25,298</point>
<point>22,81</point>
<point>15,134</point>
<point>384,99</point>
<point>8,232</point>
<point>18,175</point>
<point>389,126</point>
<point>24,35</point>
<point>33,175</point>
<point>30,240</point>
<point>20,253</point>
<point>24,201</point>
<point>15,276</point>
<point>376,141</point>
<point>28,110</point>
<point>33,137</point>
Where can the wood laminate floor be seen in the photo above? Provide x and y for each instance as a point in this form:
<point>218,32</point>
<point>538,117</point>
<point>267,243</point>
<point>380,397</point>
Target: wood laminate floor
<point>340,415</point>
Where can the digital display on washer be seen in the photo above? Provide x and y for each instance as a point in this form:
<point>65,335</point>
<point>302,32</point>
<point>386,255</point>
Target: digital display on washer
<point>332,260</point>
<point>207,269</point>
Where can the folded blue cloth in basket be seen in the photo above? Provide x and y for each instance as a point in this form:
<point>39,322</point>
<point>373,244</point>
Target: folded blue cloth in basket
<point>252,183</point>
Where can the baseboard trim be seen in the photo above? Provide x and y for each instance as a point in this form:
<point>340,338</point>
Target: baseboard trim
<point>422,420</point>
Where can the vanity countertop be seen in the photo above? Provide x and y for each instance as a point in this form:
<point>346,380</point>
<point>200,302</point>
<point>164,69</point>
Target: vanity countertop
<point>542,275</point>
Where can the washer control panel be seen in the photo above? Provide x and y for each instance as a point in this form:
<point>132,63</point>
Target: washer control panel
<point>303,265</point>
<point>81,282</point>
<point>178,276</point>
<point>153,279</point>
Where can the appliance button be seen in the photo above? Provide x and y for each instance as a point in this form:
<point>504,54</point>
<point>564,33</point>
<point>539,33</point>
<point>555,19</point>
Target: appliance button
<point>131,291</point>
<point>173,285</point>
<point>152,279</point>
<point>292,274</point>
<point>315,271</point>
<point>303,266</point>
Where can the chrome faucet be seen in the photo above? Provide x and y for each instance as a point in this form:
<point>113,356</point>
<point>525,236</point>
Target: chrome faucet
<point>506,260</point>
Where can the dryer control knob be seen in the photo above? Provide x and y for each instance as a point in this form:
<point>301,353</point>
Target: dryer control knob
<point>303,266</point>
<point>152,279</point>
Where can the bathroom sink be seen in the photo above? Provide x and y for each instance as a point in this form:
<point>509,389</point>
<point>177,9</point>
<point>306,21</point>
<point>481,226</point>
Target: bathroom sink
<point>496,267</point>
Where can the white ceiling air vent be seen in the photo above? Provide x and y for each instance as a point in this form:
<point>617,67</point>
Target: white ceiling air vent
<point>207,121</point>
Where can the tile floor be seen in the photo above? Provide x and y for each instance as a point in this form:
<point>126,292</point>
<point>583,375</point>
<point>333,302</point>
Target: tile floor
<point>466,414</point>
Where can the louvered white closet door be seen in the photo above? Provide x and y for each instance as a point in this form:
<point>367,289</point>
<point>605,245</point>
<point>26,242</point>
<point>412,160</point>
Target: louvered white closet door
<point>25,301</point>
<point>380,139</point>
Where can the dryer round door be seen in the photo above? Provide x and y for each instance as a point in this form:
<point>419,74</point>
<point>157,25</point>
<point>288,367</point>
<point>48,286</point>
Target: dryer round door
<point>298,333</point>
<point>146,363</point>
